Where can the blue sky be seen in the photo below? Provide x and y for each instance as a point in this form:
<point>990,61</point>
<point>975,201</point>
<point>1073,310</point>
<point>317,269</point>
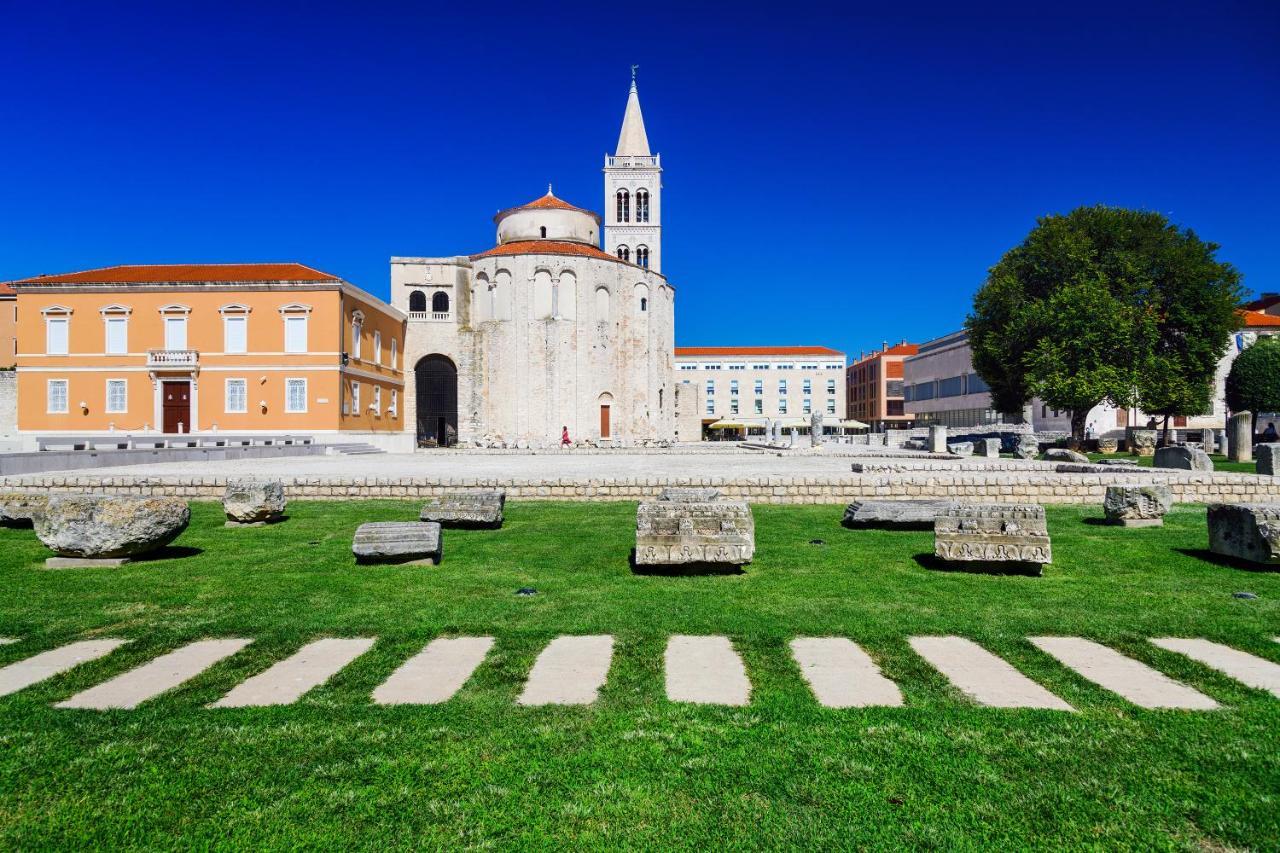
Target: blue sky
<point>835,174</point>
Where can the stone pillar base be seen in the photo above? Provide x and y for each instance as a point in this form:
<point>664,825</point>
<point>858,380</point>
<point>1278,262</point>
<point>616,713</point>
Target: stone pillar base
<point>85,562</point>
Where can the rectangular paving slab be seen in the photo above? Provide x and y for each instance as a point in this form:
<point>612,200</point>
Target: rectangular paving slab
<point>841,674</point>
<point>570,671</point>
<point>982,676</point>
<point>1135,681</point>
<point>706,671</point>
<point>434,674</point>
<point>1256,672</point>
<point>24,673</point>
<point>286,682</point>
<point>131,689</point>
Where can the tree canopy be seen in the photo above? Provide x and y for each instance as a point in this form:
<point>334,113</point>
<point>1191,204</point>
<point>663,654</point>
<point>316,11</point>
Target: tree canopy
<point>1104,304</point>
<point>1253,384</point>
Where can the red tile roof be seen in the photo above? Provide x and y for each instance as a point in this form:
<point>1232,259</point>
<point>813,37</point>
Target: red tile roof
<point>185,274</point>
<point>6,290</point>
<point>715,351</point>
<point>1258,319</point>
<point>547,202</point>
<point>548,247</point>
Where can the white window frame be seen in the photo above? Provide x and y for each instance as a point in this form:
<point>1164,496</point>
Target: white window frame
<point>295,311</point>
<point>115,314</point>
<point>124,407</point>
<point>395,351</point>
<point>57,316</point>
<point>244,395</point>
<point>394,409</point>
<point>377,400</point>
<point>355,398</point>
<point>377,347</point>
<point>357,332</point>
<point>231,316</point>
<point>176,321</point>
<point>288,382</point>
<point>66,396</point>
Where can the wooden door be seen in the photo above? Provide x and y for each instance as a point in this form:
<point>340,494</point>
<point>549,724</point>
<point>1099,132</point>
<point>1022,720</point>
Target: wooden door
<point>604,422</point>
<point>176,401</point>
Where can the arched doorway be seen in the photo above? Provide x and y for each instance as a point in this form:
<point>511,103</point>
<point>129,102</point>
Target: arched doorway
<point>606,415</point>
<point>436,386</point>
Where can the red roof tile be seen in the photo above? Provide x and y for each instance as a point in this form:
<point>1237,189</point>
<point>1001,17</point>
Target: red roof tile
<point>6,290</point>
<point>185,274</point>
<point>730,351</point>
<point>548,247</point>
<point>547,202</point>
<point>1258,319</point>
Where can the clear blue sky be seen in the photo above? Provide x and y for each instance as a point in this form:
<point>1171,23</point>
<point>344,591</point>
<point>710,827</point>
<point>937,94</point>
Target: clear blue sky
<point>836,175</point>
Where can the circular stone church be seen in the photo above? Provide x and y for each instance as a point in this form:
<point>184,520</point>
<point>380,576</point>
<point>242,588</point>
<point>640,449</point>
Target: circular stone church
<point>547,331</point>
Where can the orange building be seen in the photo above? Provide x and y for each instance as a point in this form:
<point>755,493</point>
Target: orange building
<point>873,387</point>
<point>231,348</point>
<point>8,327</point>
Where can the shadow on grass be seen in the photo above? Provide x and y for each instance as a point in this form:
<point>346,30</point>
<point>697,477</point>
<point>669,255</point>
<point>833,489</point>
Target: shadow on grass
<point>934,564</point>
<point>1229,562</point>
<point>683,570</point>
<point>168,552</point>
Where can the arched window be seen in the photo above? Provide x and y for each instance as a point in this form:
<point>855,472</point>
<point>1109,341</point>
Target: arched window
<point>642,256</point>
<point>357,332</point>
<point>417,301</point>
<point>624,206</point>
<point>642,205</point>
<point>624,253</point>
<point>543,230</point>
<point>644,303</point>
<point>642,297</point>
<point>440,302</point>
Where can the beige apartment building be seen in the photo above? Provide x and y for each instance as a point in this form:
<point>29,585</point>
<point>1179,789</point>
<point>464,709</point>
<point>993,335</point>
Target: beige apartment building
<point>754,385</point>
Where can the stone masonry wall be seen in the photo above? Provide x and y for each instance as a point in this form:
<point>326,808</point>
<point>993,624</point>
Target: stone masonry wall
<point>8,402</point>
<point>1045,488</point>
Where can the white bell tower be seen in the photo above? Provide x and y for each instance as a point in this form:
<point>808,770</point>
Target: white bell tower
<point>633,192</point>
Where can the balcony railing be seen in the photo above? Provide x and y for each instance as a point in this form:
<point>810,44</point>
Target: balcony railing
<point>172,358</point>
<point>633,160</point>
<point>437,316</point>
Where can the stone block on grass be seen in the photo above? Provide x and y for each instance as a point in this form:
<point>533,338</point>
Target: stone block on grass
<point>108,527</point>
<point>1267,458</point>
<point>899,514</point>
<point>466,509</point>
<point>1182,458</point>
<point>1062,454</point>
<point>415,543</point>
<point>251,503</point>
<point>21,509</point>
<point>1249,532</point>
<point>993,538</point>
<point>709,533</point>
<point>1137,506</point>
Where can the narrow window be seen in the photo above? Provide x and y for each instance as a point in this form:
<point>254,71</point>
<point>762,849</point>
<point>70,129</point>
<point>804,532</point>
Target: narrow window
<point>393,354</point>
<point>642,205</point>
<point>377,399</point>
<point>644,303</point>
<point>56,335</point>
<point>175,333</point>
<point>395,403</point>
<point>624,206</point>
<point>117,335</point>
<point>117,396</point>
<point>236,397</point>
<point>440,302</point>
<point>417,302</point>
<point>235,334</point>
<point>57,397</point>
<point>295,395</point>
<point>355,398</point>
<point>642,256</point>
<point>543,230</point>
<point>624,253</point>
<point>295,333</point>
<point>356,329</point>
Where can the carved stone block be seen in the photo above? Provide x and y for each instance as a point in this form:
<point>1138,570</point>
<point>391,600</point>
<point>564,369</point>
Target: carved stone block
<point>902,514</point>
<point>1137,506</point>
<point>413,542</point>
<point>466,509</point>
<point>993,536</point>
<point>685,494</point>
<point>1248,532</point>
<point>693,533</point>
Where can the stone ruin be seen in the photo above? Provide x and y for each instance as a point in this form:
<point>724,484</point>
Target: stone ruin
<point>1000,537</point>
<point>918,514</point>
<point>1268,458</point>
<point>1183,458</point>
<point>1137,506</point>
<point>108,530</point>
<point>1247,532</point>
<point>687,494</point>
<point>694,534</point>
<point>415,543</point>
<point>253,503</point>
<point>1142,442</point>
<point>466,509</point>
<point>21,509</point>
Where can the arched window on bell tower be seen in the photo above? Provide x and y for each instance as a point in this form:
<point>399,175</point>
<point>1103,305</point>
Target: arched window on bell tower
<point>642,256</point>
<point>624,206</point>
<point>624,253</point>
<point>642,205</point>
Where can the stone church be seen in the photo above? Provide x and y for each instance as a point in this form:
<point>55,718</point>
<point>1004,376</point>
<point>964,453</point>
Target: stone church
<point>547,331</point>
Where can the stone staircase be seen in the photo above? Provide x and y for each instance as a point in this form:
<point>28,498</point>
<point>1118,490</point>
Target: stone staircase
<point>354,449</point>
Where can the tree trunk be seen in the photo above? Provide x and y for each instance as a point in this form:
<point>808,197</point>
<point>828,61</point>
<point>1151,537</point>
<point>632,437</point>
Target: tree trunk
<point>1077,427</point>
<point>1164,435</point>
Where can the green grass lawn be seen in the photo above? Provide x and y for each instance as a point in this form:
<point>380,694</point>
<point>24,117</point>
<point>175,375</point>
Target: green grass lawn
<point>634,770</point>
<point>1220,463</point>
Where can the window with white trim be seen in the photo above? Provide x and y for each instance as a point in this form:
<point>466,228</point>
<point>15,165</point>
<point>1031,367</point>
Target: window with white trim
<point>56,334</point>
<point>117,334</point>
<point>295,395</point>
<point>237,397</point>
<point>759,406</point>
<point>782,407</point>
<point>175,332</point>
<point>394,353</point>
<point>377,399</point>
<point>235,333</point>
<point>117,396</point>
<point>355,398</point>
<point>295,332</point>
<point>357,328</point>
<point>56,397</point>
<point>808,406</point>
<point>395,403</point>
<point>831,407</point>
<point>377,347</point>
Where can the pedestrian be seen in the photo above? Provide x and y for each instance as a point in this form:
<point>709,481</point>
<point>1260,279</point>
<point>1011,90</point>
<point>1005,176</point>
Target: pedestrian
<point>564,437</point>
<point>1270,434</point>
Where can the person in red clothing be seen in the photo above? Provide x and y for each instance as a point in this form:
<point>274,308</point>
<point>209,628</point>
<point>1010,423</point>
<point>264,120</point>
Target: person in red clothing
<point>564,437</point>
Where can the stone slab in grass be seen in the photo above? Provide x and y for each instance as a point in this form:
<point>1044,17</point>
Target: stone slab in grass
<point>481,510</point>
<point>434,674</point>
<point>289,680</point>
<point>110,526</point>
<point>1137,506</point>
<point>1134,681</point>
<point>1248,669</point>
<point>901,514</point>
<point>1249,532</point>
<point>33,670</point>
<point>407,542</point>
<point>992,537</point>
<point>161,675</point>
<point>703,533</point>
<point>85,562</point>
<point>841,674</point>
<point>1183,458</point>
<point>570,671</point>
<point>705,671</point>
<point>982,676</point>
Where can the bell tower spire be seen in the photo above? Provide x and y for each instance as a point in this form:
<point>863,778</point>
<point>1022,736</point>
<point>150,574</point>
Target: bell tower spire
<point>633,190</point>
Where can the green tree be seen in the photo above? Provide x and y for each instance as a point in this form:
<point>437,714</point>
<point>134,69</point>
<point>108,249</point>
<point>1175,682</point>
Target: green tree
<point>1253,383</point>
<point>1104,304</point>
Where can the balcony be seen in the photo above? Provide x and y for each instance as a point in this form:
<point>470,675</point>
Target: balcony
<point>173,359</point>
<point>432,316</point>
<point>651,161</point>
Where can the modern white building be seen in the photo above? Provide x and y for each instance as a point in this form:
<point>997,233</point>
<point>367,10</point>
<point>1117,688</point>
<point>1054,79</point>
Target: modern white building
<point>756,384</point>
<point>546,331</point>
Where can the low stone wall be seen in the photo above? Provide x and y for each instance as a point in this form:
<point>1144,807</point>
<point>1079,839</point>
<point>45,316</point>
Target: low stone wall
<point>932,462</point>
<point>66,460</point>
<point>1000,487</point>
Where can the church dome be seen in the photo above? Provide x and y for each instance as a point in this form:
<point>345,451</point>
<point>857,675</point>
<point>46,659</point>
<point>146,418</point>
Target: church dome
<point>548,218</point>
